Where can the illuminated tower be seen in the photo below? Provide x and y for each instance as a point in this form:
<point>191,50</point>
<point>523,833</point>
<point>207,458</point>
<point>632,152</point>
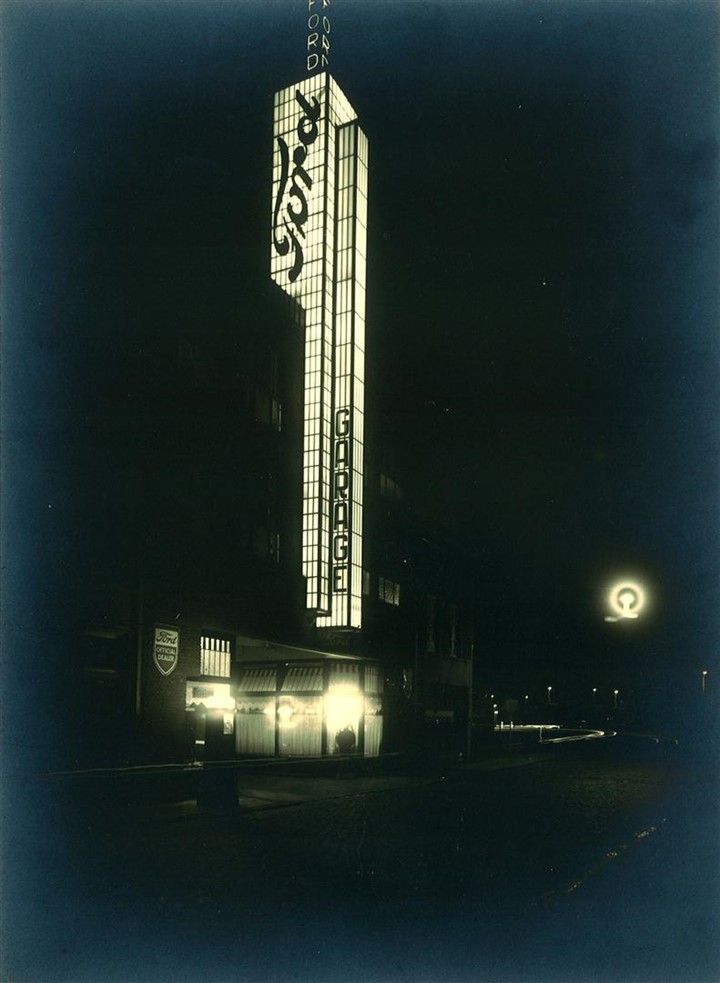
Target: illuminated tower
<point>319,216</point>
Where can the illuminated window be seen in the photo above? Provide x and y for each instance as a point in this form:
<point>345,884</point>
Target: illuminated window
<point>388,591</point>
<point>214,656</point>
<point>366,583</point>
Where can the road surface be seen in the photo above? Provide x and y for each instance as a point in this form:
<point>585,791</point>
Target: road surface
<point>584,865</point>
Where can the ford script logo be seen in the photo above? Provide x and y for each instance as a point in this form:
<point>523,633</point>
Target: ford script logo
<point>291,205</point>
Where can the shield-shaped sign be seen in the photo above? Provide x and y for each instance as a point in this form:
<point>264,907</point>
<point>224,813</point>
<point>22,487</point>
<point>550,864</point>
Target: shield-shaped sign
<point>165,649</point>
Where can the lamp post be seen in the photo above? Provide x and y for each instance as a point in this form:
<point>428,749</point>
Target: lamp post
<point>594,695</point>
<point>549,695</point>
<point>703,678</point>
<point>615,696</point>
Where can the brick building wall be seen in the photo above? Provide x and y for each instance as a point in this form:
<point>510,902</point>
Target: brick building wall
<point>163,698</point>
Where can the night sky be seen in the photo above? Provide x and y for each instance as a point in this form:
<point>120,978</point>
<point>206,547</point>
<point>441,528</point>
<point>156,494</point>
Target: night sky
<point>543,293</point>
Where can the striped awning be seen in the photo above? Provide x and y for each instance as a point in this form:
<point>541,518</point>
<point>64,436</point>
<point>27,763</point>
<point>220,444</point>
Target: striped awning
<point>373,679</point>
<point>303,679</point>
<point>258,680</point>
<point>344,672</point>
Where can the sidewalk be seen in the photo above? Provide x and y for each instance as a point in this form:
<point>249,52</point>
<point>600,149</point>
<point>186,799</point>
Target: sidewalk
<point>275,784</point>
<point>170,791</point>
<point>254,792</point>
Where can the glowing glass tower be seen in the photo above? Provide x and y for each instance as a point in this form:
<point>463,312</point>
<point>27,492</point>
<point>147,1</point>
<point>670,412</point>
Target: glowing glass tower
<point>319,216</point>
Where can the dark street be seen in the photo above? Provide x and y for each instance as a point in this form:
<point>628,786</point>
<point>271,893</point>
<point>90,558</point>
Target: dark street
<point>586,862</point>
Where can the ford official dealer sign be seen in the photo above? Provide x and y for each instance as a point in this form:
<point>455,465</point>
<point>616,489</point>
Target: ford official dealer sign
<point>165,649</point>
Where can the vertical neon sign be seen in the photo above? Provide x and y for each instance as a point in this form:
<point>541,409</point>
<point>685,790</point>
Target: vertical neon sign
<point>318,39</point>
<point>318,256</point>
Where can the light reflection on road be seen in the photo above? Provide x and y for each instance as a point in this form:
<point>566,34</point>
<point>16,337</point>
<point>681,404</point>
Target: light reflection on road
<point>589,735</point>
<point>553,897</point>
<point>575,735</point>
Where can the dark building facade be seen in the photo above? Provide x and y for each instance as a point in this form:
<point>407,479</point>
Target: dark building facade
<point>270,588</point>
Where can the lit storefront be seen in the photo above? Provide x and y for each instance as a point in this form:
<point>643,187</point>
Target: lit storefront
<point>322,707</point>
<point>286,702</point>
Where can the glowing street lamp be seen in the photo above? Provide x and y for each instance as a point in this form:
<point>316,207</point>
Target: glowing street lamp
<point>703,678</point>
<point>549,695</point>
<point>626,599</point>
<point>616,692</point>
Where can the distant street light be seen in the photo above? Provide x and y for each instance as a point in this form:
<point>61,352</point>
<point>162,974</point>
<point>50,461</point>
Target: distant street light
<point>703,678</point>
<point>549,694</point>
<point>594,693</point>
<point>615,694</point>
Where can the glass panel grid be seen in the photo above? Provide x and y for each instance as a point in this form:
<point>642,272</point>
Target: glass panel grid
<point>323,263</point>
